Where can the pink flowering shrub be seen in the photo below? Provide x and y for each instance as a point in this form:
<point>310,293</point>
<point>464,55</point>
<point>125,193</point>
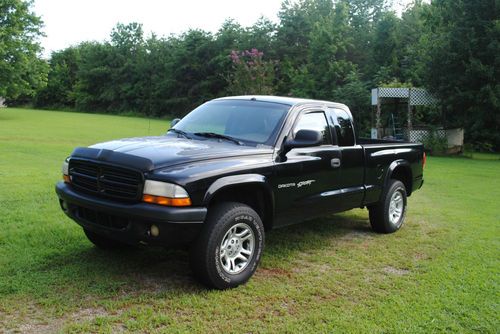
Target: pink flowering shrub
<point>251,75</point>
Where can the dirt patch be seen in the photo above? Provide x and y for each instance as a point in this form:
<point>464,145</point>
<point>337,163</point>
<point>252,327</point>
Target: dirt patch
<point>88,314</point>
<point>36,328</point>
<point>303,265</point>
<point>420,256</point>
<point>34,325</point>
<point>396,271</point>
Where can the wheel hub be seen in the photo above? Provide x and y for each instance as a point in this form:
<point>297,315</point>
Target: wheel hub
<point>236,248</point>
<point>396,207</point>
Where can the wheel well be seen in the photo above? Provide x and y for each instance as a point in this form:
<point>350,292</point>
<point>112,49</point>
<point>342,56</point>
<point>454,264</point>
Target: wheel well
<point>253,195</point>
<point>403,174</point>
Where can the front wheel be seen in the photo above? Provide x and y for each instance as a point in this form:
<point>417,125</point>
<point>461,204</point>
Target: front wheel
<point>229,247</point>
<point>389,214</point>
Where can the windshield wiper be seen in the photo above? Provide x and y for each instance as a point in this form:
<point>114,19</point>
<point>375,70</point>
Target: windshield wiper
<point>218,135</point>
<point>179,132</point>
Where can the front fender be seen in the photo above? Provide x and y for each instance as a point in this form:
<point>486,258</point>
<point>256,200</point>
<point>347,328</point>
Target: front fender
<point>232,180</point>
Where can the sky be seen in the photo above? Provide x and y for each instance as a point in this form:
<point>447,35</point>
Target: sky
<point>69,22</point>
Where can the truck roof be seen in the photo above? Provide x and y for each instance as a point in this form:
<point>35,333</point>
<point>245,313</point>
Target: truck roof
<point>291,101</point>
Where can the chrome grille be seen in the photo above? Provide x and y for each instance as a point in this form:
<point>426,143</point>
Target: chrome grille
<point>106,180</point>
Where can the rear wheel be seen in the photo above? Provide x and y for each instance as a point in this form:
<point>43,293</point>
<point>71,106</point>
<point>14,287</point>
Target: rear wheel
<point>389,214</point>
<point>103,242</point>
<point>229,247</point>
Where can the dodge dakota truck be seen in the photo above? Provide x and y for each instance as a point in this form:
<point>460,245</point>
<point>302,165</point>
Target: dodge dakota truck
<point>230,170</point>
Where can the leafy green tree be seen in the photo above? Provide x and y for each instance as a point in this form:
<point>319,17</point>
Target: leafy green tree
<point>327,65</point>
<point>127,48</point>
<point>325,49</point>
<point>262,36</point>
<point>412,36</point>
<point>463,66</point>
<point>364,16</point>
<point>62,78</point>
<point>386,44</point>
<point>22,72</point>
<point>195,76</point>
<point>109,76</point>
<point>356,94</point>
<point>251,74</point>
<point>95,89</point>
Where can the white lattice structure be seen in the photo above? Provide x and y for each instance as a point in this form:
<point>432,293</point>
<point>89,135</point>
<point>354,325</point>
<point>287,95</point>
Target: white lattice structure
<point>416,96</point>
<point>412,96</point>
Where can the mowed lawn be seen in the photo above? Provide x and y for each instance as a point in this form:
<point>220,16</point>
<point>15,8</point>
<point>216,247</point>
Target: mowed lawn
<point>440,273</point>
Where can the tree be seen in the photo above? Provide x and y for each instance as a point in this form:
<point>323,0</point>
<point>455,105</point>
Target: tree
<point>62,78</point>
<point>412,36</point>
<point>325,49</point>
<point>364,16</point>
<point>326,67</point>
<point>94,89</point>
<point>22,72</point>
<point>386,44</point>
<point>251,74</point>
<point>463,66</point>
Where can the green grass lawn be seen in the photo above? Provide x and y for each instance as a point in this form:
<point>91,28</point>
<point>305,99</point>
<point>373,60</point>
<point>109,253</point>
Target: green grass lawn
<point>440,273</point>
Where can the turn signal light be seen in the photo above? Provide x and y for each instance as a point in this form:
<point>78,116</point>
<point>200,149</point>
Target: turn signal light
<point>66,178</point>
<point>167,201</point>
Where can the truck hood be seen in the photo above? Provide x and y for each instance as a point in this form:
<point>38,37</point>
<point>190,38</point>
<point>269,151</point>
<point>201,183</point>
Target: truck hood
<point>165,151</point>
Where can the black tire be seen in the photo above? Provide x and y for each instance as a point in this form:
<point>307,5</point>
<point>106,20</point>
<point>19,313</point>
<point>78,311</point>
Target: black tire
<point>104,243</point>
<point>207,251</point>
<point>380,215</point>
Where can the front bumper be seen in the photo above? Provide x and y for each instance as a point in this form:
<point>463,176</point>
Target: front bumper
<point>131,223</point>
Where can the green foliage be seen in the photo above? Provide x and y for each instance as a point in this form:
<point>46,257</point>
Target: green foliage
<point>394,83</point>
<point>251,75</point>
<point>355,93</point>
<point>435,144</point>
<point>62,78</point>
<point>22,72</point>
<point>463,65</point>
<point>324,49</point>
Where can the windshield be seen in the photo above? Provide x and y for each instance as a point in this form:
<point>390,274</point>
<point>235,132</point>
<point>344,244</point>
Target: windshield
<point>249,121</point>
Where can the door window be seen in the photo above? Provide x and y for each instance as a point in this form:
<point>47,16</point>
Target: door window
<point>314,121</point>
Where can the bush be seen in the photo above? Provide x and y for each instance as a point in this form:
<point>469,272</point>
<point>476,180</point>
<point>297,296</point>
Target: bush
<point>435,144</point>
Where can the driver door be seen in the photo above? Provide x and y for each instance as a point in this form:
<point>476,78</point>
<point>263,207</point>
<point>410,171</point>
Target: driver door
<point>306,175</point>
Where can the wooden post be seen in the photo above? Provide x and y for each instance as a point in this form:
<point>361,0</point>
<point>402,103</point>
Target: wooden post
<point>377,116</point>
<point>410,126</point>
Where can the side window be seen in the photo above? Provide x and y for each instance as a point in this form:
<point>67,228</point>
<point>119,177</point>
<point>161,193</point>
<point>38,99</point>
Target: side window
<point>343,128</point>
<point>314,121</point>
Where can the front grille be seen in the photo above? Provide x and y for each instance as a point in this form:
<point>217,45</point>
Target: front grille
<point>106,180</point>
<point>101,218</point>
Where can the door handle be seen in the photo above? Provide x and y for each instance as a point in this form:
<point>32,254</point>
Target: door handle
<point>335,162</point>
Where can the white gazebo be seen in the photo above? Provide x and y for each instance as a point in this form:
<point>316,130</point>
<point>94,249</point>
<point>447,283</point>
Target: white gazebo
<point>412,96</point>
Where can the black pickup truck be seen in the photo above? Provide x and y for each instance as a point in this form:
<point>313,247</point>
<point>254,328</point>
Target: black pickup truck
<point>230,170</point>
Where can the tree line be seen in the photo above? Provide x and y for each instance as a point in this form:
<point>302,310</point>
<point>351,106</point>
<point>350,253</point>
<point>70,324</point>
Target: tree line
<point>322,49</point>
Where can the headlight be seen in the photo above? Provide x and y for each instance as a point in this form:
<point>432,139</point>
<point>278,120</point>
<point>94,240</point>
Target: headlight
<point>65,171</point>
<point>164,193</point>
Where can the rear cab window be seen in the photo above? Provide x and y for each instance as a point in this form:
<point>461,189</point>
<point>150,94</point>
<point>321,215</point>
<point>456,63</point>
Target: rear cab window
<point>344,130</point>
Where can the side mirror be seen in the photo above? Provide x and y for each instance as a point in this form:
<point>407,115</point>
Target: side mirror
<point>303,138</point>
<point>174,121</point>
